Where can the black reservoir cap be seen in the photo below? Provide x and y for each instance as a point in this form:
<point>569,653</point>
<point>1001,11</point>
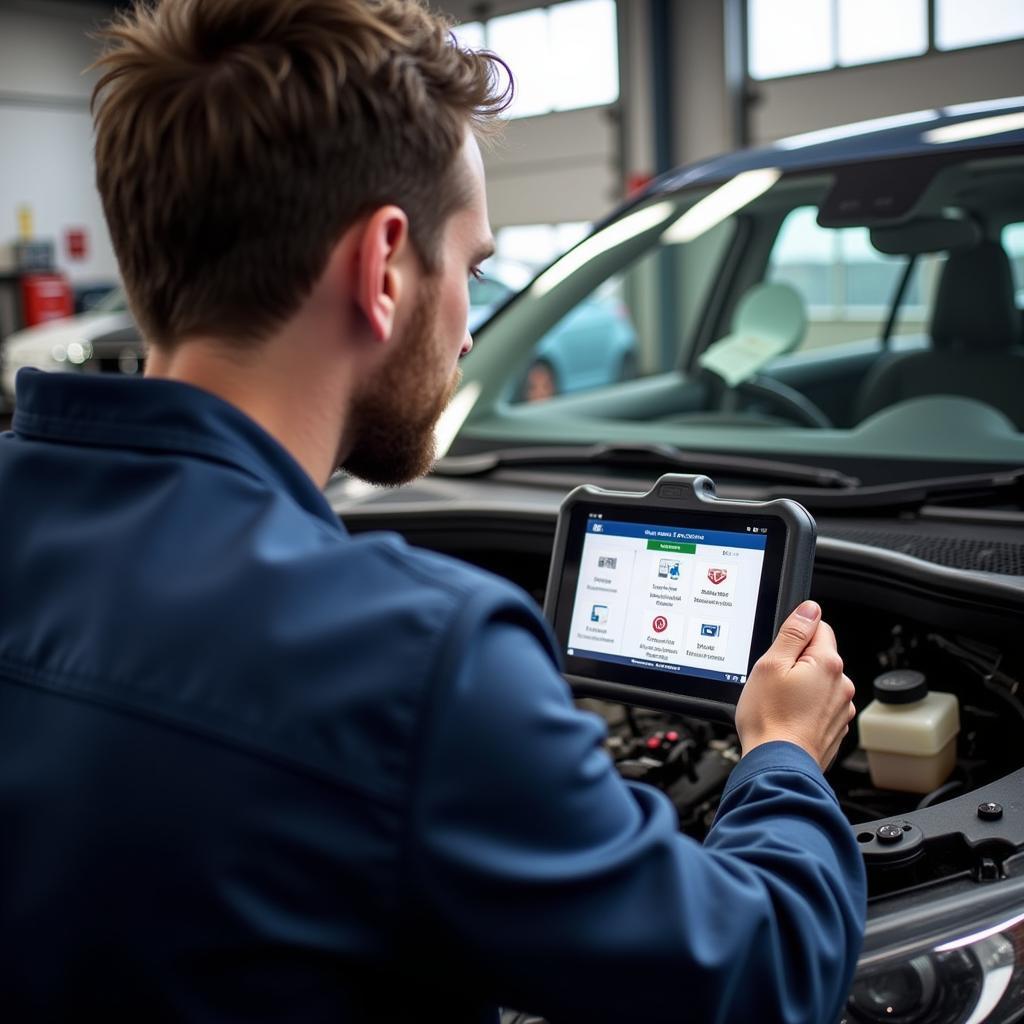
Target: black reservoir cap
<point>901,686</point>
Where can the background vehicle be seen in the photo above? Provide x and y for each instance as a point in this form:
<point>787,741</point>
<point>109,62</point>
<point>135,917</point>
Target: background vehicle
<point>594,344</point>
<point>499,281</point>
<point>90,297</point>
<point>861,295</point>
<point>104,340</point>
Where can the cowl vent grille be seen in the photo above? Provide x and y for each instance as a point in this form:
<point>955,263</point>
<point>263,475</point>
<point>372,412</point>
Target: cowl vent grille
<point>970,553</point>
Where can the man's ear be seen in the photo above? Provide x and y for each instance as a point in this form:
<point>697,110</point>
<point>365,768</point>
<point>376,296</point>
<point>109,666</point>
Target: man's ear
<point>379,272</point>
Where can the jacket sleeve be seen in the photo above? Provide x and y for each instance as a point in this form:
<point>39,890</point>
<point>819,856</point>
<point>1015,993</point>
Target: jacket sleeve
<point>546,882</point>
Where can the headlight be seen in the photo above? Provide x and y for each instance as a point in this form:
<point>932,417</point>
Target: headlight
<point>974,978</point>
<point>77,353</point>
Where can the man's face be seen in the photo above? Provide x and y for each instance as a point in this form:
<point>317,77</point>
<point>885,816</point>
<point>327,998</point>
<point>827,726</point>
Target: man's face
<point>393,415</point>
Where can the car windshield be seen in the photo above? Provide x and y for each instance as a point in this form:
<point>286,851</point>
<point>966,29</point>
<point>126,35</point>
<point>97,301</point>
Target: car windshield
<point>819,316</point>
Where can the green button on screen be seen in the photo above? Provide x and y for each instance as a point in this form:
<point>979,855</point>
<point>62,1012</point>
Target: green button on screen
<point>675,548</point>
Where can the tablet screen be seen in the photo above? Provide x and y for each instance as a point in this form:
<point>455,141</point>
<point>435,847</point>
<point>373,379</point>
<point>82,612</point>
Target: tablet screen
<point>681,594</point>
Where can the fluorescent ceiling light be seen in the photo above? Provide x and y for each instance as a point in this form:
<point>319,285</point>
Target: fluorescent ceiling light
<point>975,129</point>
<point>620,231</point>
<point>723,202</point>
<point>846,131</point>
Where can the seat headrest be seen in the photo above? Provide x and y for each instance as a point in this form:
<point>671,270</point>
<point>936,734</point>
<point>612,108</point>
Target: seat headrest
<point>974,306</point>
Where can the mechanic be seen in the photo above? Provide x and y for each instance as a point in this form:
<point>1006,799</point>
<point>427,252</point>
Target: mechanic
<point>253,768</point>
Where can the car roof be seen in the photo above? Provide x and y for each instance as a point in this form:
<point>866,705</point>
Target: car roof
<point>982,125</point>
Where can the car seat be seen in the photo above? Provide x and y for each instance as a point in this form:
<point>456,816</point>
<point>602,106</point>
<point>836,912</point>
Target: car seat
<point>976,336</point>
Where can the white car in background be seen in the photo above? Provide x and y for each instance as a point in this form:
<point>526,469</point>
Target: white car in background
<point>103,340</point>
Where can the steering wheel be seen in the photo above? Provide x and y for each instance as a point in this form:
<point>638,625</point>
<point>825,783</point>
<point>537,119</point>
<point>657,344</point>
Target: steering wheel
<point>769,321</point>
<point>784,400</point>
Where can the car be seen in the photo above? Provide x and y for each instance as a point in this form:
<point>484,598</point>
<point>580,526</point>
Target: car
<point>833,318</point>
<point>103,340</point>
<point>592,345</point>
<point>94,295</point>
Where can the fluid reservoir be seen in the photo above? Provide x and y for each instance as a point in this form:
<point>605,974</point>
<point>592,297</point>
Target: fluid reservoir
<point>909,733</point>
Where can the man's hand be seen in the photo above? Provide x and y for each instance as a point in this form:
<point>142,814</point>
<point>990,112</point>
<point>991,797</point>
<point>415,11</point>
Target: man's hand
<point>797,691</point>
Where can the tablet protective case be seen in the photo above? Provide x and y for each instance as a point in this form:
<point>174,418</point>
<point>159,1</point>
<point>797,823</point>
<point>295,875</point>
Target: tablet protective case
<point>687,493</point>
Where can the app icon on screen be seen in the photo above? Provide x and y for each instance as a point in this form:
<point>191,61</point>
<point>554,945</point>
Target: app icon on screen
<point>710,629</point>
<point>668,569</point>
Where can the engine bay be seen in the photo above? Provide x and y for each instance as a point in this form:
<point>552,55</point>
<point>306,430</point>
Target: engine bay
<point>690,759</point>
<point>898,598</point>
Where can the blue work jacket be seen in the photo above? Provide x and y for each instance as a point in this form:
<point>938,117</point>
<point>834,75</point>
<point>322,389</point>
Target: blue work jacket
<point>253,768</point>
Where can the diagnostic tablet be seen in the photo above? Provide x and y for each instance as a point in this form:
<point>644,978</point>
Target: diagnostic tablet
<point>668,598</point>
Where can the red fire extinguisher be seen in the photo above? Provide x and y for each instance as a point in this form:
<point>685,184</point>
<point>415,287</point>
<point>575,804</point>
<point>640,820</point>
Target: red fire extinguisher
<point>45,297</point>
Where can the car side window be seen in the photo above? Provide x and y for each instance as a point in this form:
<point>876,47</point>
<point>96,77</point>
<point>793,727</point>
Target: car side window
<point>847,285</point>
<point>1013,242</point>
<point>594,344</point>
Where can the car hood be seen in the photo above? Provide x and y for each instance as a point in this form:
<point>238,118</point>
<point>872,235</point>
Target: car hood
<point>84,327</point>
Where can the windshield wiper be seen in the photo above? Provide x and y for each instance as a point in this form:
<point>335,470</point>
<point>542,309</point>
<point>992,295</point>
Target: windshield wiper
<point>949,490</point>
<point>657,457</point>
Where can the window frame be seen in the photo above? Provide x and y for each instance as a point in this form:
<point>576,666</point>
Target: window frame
<point>932,49</point>
<point>546,8</point>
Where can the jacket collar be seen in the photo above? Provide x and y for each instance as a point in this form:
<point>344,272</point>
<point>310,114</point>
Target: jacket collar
<point>159,416</point>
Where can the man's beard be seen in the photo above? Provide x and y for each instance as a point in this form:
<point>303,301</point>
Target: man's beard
<point>393,415</point>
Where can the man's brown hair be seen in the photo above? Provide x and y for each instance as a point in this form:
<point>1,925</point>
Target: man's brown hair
<point>236,140</point>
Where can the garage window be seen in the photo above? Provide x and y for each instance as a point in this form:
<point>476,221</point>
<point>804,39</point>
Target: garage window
<point>960,23</point>
<point>776,49</point>
<point>471,35</point>
<point>564,56</point>
<point>537,245</point>
<point>873,30</point>
<point>792,37</point>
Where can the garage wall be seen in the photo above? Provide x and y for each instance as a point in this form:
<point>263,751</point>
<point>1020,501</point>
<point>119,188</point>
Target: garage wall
<point>46,155</point>
<point>554,168</point>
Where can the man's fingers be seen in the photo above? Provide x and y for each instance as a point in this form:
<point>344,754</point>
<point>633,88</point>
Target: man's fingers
<point>823,652</point>
<point>795,634</point>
